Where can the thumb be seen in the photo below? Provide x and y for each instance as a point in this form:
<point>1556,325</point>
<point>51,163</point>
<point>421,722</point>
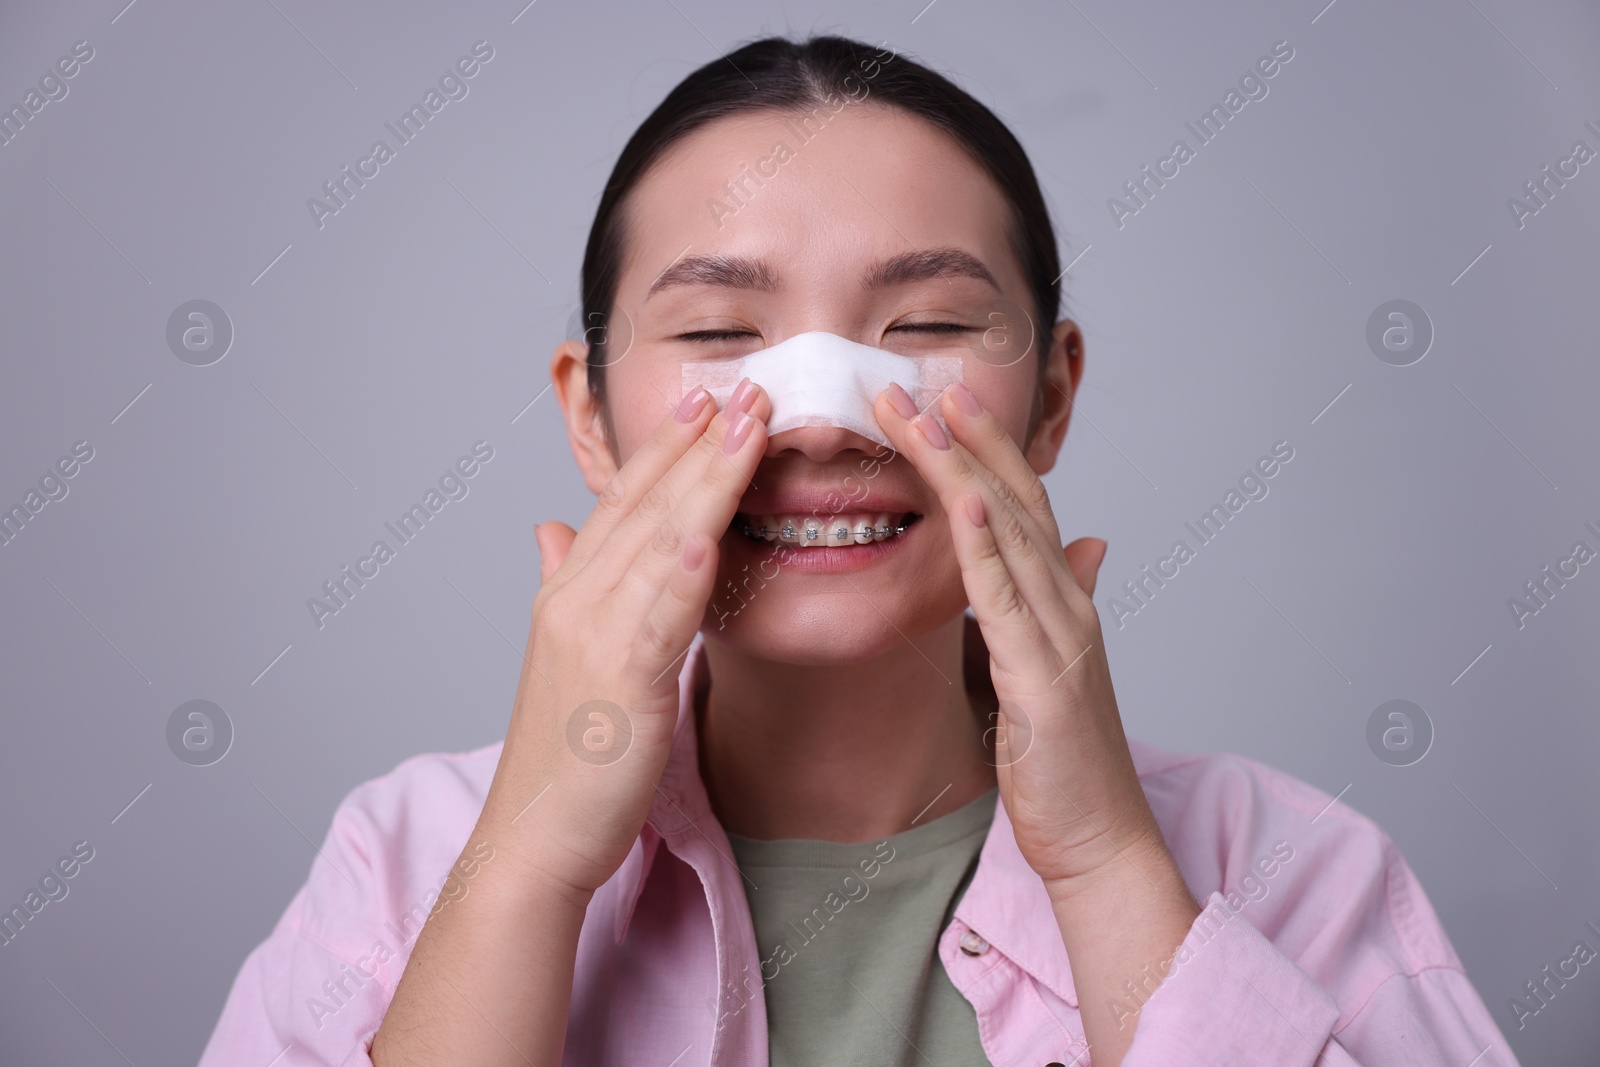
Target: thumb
<point>555,539</point>
<point>1084,557</point>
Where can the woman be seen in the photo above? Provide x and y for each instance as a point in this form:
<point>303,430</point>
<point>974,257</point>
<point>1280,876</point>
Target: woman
<point>823,814</point>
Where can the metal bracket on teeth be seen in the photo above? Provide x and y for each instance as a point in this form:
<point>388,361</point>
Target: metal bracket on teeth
<point>751,531</point>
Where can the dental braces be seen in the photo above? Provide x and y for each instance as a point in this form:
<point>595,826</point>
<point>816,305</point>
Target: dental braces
<point>790,532</point>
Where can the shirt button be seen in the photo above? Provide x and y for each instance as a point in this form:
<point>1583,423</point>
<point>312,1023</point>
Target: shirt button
<point>972,944</point>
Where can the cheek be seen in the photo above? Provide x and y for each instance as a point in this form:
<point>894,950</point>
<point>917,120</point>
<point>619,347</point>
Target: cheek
<point>637,399</point>
<point>1005,391</point>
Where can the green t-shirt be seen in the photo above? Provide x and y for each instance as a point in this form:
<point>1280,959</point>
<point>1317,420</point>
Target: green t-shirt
<point>848,936</point>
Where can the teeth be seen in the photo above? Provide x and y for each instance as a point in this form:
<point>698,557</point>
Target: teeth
<point>810,531</point>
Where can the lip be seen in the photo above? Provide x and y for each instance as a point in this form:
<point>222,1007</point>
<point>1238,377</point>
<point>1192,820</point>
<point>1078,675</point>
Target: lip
<point>762,556</point>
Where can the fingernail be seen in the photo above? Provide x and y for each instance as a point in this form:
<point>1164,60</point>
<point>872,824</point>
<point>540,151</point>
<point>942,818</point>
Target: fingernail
<point>901,401</point>
<point>932,431</point>
<point>965,400</point>
<point>736,435</point>
<point>974,505</point>
<point>692,404</point>
<point>743,395</point>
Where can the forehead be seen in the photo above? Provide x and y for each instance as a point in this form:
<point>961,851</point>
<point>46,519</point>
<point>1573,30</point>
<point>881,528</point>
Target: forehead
<point>813,193</point>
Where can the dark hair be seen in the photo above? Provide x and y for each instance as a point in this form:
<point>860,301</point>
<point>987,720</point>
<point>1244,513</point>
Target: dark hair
<point>778,73</point>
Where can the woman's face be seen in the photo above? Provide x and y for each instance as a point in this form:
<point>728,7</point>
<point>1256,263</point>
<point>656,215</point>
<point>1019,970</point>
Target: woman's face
<point>880,229</point>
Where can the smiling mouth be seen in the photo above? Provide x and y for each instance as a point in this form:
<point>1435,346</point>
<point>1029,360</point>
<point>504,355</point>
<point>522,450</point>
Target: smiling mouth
<point>836,531</point>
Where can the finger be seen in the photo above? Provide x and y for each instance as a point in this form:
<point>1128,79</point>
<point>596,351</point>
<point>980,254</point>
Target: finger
<point>1036,571</point>
<point>669,626</point>
<point>676,435</point>
<point>707,475</point>
<point>982,434</point>
<point>996,456</point>
<point>650,479</point>
<point>555,541</point>
<point>1012,631</point>
<point>1084,557</point>
<point>909,432</point>
<point>706,508</point>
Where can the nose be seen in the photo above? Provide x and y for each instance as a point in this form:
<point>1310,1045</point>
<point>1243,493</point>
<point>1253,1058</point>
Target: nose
<point>819,443</point>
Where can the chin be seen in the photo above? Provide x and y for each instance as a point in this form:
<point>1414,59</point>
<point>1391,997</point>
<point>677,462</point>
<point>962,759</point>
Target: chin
<point>829,628</point>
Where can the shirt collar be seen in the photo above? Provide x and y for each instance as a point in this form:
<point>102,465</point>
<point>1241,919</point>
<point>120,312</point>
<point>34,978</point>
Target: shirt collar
<point>1005,903</point>
<point>681,799</point>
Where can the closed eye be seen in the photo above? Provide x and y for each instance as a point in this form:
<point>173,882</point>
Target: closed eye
<point>713,335</point>
<point>931,327</point>
<point>704,336</point>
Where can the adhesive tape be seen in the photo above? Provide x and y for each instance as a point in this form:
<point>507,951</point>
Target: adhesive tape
<point>822,379</point>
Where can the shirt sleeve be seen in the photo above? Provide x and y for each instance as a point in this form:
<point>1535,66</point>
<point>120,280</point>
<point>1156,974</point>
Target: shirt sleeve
<point>1233,998</point>
<point>277,1012</point>
<point>1316,944</point>
<point>315,991</point>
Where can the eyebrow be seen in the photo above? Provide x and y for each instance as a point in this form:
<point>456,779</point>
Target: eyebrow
<point>741,272</point>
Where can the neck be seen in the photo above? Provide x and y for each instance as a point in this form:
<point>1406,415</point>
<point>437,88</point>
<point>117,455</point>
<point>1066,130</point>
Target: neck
<point>851,752</point>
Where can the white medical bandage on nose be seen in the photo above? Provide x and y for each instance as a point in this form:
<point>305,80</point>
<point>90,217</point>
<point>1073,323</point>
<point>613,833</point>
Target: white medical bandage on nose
<point>822,379</point>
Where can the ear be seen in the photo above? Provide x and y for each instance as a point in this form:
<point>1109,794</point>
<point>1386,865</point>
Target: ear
<point>587,430</point>
<point>1062,372</point>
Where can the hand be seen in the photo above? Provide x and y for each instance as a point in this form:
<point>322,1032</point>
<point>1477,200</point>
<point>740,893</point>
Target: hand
<point>1064,771</point>
<point>621,600</point>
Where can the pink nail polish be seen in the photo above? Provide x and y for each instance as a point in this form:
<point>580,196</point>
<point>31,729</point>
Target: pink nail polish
<point>692,404</point>
<point>974,505</point>
<point>901,401</point>
<point>965,400</point>
<point>932,431</point>
<point>737,434</point>
<point>743,395</point>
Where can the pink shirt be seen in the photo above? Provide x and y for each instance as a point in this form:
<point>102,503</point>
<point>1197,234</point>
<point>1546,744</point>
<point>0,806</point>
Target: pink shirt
<point>1317,944</point>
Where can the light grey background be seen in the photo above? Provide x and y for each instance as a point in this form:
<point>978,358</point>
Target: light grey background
<point>1226,315</point>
